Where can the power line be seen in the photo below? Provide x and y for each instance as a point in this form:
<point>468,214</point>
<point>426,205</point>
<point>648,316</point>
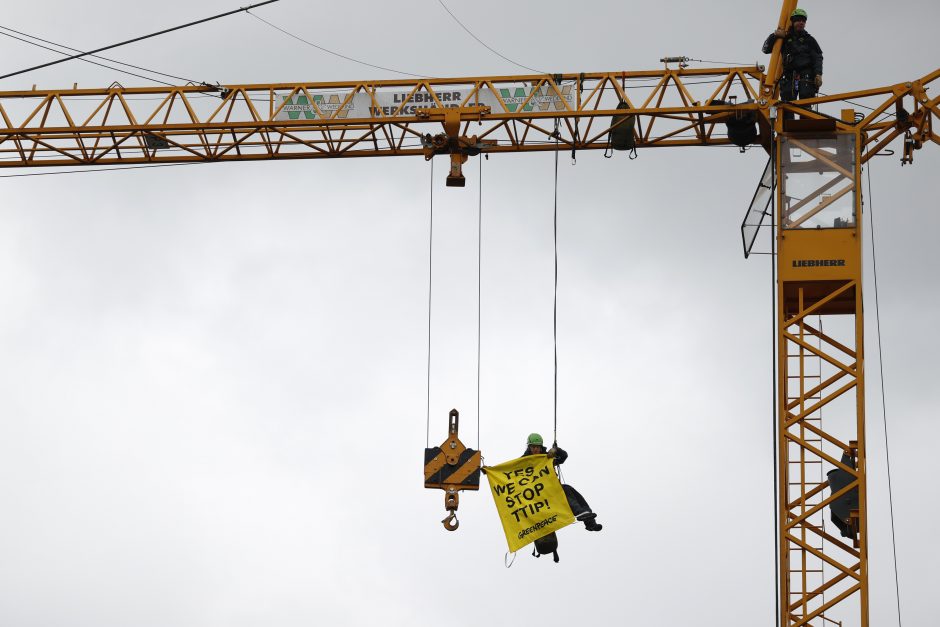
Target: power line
<point>90,170</point>
<point>328,51</point>
<point>497,53</point>
<point>46,41</point>
<point>32,43</point>
<point>136,39</point>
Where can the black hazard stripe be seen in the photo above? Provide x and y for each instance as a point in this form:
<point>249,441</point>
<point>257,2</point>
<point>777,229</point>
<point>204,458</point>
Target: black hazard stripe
<point>434,460</point>
<point>431,453</point>
<point>465,472</point>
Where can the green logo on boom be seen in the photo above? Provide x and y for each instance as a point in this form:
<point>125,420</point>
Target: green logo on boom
<point>543,98</point>
<point>517,98</point>
<point>301,106</point>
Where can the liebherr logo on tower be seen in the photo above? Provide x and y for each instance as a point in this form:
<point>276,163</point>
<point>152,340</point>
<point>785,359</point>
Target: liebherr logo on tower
<point>816,263</point>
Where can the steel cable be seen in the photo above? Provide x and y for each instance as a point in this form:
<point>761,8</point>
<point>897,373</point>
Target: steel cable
<point>479,287</point>
<point>773,399</point>
<point>328,51</point>
<point>136,39</point>
<point>555,303</point>
<point>482,43</point>
<point>881,374</point>
<point>430,285</point>
<point>52,43</point>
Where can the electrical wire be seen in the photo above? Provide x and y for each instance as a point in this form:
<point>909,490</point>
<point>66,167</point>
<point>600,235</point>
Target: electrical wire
<point>136,39</point>
<point>52,43</point>
<point>881,372</point>
<point>146,78</point>
<point>92,170</point>
<point>328,51</point>
<point>484,44</point>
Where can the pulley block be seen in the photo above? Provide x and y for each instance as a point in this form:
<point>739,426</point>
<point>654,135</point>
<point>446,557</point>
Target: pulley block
<point>452,467</point>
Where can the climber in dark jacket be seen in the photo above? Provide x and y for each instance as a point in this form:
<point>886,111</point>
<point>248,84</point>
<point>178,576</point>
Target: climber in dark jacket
<point>579,506</point>
<point>802,59</point>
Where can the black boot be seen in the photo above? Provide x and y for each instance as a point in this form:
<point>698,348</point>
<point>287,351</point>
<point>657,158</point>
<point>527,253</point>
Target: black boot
<point>590,522</point>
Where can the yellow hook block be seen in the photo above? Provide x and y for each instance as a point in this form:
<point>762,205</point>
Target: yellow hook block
<point>452,467</point>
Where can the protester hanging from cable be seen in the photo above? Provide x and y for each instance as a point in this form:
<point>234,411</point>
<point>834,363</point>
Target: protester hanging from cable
<point>579,506</point>
<point>801,56</point>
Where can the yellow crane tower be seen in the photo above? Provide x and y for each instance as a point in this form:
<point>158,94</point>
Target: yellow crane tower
<point>814,173</point>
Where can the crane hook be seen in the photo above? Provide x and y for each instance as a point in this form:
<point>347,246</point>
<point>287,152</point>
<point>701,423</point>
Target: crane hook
<point>451,523</point>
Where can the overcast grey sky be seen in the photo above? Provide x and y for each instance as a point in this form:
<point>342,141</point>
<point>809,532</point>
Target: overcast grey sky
<point>213,378</point>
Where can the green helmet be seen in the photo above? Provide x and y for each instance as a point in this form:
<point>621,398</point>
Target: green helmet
<point>535,438</point>
<point>798,14</point>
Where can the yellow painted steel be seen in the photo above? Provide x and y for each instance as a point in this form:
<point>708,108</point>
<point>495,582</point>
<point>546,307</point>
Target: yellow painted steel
<point>818,369</point>
<point>821,372</point>
<point>249,122</point>
<point>123,126</point>
<point>775,67</point>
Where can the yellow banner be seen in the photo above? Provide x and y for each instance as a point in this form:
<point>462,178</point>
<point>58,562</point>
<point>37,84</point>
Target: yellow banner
<point>529,499</point>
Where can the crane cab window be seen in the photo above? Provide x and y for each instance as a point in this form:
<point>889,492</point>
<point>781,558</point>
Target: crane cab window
<point>817,181</point>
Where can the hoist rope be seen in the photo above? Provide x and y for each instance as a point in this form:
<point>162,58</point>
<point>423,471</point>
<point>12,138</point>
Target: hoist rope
<point>430,276</point>
<point>555,303</point>
<point>881,374</point>
<point>479,286</point>
<point>773,387</point>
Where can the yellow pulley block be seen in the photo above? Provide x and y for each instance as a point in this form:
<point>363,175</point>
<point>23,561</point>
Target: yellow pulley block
<point>452,467</point>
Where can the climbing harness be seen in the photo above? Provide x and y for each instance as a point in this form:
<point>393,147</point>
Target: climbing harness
<point>545,545</point>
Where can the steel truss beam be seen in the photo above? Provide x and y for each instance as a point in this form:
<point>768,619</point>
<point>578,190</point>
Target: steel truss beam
<point>824,578</point>
<point>383,118</point>
<point>196,123</point>
<point>819,571</point>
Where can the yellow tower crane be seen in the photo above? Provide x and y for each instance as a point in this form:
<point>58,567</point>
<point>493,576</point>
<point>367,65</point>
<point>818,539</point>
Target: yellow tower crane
<point>815,170</point>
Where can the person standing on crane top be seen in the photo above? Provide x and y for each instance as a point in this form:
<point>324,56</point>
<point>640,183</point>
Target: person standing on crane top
<point>579,506</point>
<point>802,59</point>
